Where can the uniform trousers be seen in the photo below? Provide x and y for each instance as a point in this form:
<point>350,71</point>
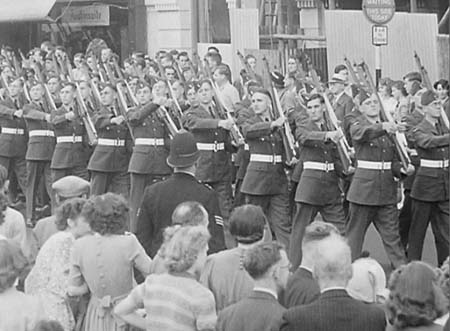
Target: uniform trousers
<point>115,182</point>
<point>239,197</point>
<point>79,171</point>
<point>404,218</point>
<point>37,170</point>
<point>305,214</point>
<point>18,165</point>
<point>276,208</point>
<point>138,184</point>
<point>385,220</point>
<point>424,212</point>
<point>225,192</point>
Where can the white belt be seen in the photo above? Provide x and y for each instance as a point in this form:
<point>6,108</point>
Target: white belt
<point>372,165</point>
<point>69,139</point>
<point>211,147</point>
<point>246,147</point>
<point>265,158</point>
<point>434,163</point>
<point>318,166</point>
<point>13,131</point>
<point>41,133</point>
<point>110,142</point>
<point>149,141</point>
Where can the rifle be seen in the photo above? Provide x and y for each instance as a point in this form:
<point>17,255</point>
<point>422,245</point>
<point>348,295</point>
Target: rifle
<point>164,115</point>
<point>246,66</point>
<point>427,82</point>
<point>82,110</point>
<point>48,95</point>
<point>343,146</point>
<point>178,71</point>
<point>201,73</point>
<point>352,72</point>
<point>123,108</point>
<point>286,134</point>
<point>130,93</point>
<point>399,138</point>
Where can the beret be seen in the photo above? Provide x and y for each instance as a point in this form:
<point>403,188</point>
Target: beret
<point>428,97</point>
<point>363,96</point>
<point>71,187</point>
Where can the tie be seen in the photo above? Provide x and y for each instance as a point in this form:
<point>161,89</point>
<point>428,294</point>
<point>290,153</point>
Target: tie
<point>211,111</point>
<point>16,104</point>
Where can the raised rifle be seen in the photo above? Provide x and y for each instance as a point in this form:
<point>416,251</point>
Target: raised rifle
<point>289,144</point>
<point>201,73</point>
<point>399,138</point>
<point>48,95</point>
<point>123,108</point>
<point>246,66</point>
<point>427,83</point>
<point>356,80</point>
<point>119,72</point>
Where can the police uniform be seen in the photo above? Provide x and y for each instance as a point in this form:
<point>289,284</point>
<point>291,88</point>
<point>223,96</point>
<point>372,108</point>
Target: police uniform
<point>41,144</point>
<point>373,191</point>
<point>13,141</point>
<point>151,148</point>
<point>265,182</point>
<point>318,188</point>
<point>72,146</point>
<point>429,191</point>
<point>214,144</point>
<point>109,161</point>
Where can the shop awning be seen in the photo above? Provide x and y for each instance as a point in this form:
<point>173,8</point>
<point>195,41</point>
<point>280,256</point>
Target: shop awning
<point>24,10</point>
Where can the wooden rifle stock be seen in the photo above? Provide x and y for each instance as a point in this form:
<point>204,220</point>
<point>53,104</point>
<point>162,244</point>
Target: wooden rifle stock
<point>48,95</point>
<point>246,66</point>
<point>164,115</point>
<point>123,108</point>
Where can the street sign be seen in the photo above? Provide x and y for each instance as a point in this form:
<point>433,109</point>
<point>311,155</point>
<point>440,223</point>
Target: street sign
<point>379,35</point>
<point>379,11</point>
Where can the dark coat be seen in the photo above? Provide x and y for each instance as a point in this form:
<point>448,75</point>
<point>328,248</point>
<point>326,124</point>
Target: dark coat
<point>373,187</point>
<point>343,106</point>
<point>12,145</point>
<point>431,184</point>
<point>301,288</point>
<point>147,159</point>
<point>161,199</point>
<point>259,312</point>
<point>334,310</point>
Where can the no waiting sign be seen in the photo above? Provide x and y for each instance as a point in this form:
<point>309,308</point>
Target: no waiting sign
<point>379,11</point>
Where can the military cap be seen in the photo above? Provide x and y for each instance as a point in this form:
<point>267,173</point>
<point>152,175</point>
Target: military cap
<point>71,187</point>
<point>262,91</point>
<point>102,86</point>
<point>277,78</point>
<point>66,83</point>
<point>414,75</point>
<point>33,82</point>
<point>428,97</point>
<point>362,96</point>
<point>337,79</point>
<point>142,84</point>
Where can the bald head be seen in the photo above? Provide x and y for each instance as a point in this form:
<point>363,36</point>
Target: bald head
<point>190,213</point>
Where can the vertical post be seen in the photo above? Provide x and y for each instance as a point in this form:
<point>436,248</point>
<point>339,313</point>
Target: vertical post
<point>331,4</point>
<point>377,64</point>
<point>413,6</point>
<point>280,29</point>
<point>194,25</point>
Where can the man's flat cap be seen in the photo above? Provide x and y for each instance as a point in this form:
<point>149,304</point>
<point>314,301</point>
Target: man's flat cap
<point>71,187</point>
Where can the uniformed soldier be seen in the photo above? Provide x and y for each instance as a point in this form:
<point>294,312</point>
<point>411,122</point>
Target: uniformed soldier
<point>72,147</point>
<point>318,188</point>
<point>14,136</point>
<point>265,183</point>
<point>214,144</point>
<point>151,147</point>
<point>373,191</point>
<point>41,144</point>
<point>54,87</point>
<point>430,188</point>
<point>86,93</point>
<point>109,161</point>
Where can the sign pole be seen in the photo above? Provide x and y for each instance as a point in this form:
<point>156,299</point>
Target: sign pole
<point>377,64</point>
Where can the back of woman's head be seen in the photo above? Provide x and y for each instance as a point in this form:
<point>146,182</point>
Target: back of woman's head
<point>183,245</point>
<point>70,209</point>
<point>48,326</point>
<point>12,264</point>
<point>415,297</point>
<point>247,223</point>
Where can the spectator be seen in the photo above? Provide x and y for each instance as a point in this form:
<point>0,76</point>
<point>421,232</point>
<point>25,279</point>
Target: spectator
<point>49,278</point>
<point>102,263</point>
<point>224,273</point>
<point>334,309</point>
<point>48,326</point>
<point>268,265</point>
<point>175,300</point>
<point>415,298</point>
<point>18,311</point>
<point>302,288</point>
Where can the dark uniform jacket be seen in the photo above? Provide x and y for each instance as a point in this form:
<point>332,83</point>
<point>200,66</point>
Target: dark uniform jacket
<point>369,186</point>
<point>243,153</point>
<point>40,148</point>
<point>213,165</point>
<point>432,143</point>
<point>110,158</point>
<point>148,159</point>
<point>262,178</point>
<point>69,154</point>
<point>161,199</point>
<point>12,145</point>
<point>411,120</point>
<point>343,106</point>
<point>317,187</point>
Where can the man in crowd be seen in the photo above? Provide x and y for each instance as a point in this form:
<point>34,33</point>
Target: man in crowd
<point>342,102</point>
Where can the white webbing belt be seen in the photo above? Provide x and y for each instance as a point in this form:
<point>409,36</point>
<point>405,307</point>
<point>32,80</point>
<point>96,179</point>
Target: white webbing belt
<point>13,131</point>
<point>149,141</point>
<point>372,165</point>
<point>41,133</point>
<point>318,166</point>
<point>69,139</point>
<point>211,146</point>
<point>110,142</point>
<point>434,163</point>
<point>265,158</point>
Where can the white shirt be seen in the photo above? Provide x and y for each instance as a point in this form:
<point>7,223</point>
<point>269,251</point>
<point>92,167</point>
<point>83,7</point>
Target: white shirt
<point>331,288</point>
<point>266,290</point>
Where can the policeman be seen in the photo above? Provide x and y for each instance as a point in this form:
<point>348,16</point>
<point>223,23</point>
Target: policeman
<point>151,148</point>
<point>429,192</point>
<point>109,161</point>
<point>72,147</point>
<point>214,144</point>
<point>318,188</point>
<point>373,191</point>
<point>41,145</point>
<point>13,137</point>
<point>265,183</point>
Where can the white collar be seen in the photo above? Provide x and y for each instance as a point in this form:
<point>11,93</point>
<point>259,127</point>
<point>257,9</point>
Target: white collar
<point>266,290</point>
<point>306,268</point>
<point>331,288</point>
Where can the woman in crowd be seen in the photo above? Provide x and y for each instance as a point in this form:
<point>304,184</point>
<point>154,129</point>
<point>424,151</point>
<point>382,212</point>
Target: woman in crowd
<point>385,91</point>
<point>175,300</point>
<point>415,300</point>
<point>442,90</point>
<point>49,278</point>
<point>399,94</point>
<point>18,311</point>
<point>103,262</point>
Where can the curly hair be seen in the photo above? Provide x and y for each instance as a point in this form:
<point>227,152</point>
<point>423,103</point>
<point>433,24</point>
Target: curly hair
<point>71,208</point>
<point>444,278</point>
<point>4,202</point>
<point>12,264</point>
<point>107,213</point>
<point>415,298</point>
<point>182,245</point>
